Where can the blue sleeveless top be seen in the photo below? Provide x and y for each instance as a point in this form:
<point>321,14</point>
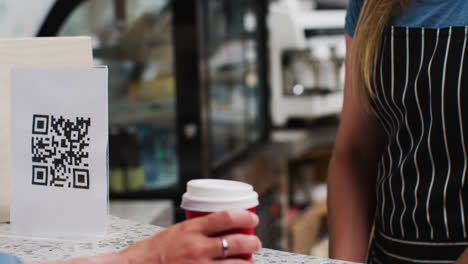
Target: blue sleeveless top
<point>7,259</point>
<point>420,13</point>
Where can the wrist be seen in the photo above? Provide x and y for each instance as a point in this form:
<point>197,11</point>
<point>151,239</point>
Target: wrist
<point>112,258</point>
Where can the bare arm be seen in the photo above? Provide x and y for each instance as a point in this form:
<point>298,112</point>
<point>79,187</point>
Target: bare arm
<point>463,259</point>
<point>351,177</point>
<point>103,259</point>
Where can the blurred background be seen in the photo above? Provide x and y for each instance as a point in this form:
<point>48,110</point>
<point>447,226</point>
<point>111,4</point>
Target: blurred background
<point>248,90</point>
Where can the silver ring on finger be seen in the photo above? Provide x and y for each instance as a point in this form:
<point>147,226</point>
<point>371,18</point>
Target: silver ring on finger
<point>225,246</point>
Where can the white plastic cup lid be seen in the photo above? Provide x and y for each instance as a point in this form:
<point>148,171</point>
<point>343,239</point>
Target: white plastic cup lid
<point>212,195</point>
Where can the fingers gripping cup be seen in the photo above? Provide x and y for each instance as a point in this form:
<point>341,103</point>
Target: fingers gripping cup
<point>205,196</point>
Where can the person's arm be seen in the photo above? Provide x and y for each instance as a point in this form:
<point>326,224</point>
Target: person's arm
<point>352,174</point>
<point>101,259</point>
<point>463,259</point>
<point>194,241</point>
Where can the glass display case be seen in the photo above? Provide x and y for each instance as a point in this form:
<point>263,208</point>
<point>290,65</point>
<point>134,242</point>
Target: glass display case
<point>231,55</point>
<point>187,92</point>
<point>134,39</point>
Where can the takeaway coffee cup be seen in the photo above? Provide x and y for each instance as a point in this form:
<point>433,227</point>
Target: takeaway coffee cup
<point>205,196</point>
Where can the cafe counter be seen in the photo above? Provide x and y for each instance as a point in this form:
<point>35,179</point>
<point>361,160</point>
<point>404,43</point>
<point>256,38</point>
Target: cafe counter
<point>121,233</point>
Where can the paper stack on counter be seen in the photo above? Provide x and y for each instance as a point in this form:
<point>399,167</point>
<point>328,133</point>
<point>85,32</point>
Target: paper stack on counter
<point>42,52</point>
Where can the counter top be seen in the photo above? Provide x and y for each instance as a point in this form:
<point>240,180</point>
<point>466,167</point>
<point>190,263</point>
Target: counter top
<point>121,233</point>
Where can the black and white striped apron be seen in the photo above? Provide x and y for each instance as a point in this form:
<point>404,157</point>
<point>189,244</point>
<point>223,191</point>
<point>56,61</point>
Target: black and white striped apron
<point>421,103</point>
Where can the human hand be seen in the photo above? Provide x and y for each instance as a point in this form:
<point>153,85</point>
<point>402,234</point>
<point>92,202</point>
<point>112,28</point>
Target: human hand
<point>197,241</point>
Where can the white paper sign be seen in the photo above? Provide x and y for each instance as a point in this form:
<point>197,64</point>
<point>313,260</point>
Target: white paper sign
<point>59,137</point>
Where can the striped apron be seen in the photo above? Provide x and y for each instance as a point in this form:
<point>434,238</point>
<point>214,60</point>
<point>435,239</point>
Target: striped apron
<point>421,102</point>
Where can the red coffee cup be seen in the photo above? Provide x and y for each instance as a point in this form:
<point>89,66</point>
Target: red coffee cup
<point>206,196</point>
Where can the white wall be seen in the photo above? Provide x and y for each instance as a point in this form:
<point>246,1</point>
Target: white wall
<point>22,18</point>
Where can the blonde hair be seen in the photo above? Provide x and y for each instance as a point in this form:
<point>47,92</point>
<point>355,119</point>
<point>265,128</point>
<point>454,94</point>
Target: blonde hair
<point>375,16</point>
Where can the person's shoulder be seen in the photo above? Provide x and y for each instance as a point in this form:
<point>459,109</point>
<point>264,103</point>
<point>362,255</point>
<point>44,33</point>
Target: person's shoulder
<point>355,5</point>
<point>352,15</point>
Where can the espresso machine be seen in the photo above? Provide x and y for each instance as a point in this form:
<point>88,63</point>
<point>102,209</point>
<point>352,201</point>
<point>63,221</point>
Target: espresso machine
<point>307,52</point>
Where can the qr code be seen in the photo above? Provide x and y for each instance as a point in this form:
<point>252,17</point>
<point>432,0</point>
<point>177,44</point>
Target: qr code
<point>60,151</point>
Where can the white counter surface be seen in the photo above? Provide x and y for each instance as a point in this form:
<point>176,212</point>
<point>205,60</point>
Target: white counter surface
<point>121,233</point>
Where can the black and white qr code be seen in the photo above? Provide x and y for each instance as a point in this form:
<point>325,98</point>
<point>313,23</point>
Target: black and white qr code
<point>60,151</point>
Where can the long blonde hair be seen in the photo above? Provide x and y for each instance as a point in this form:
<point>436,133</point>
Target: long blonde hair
<point>375,16</point>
